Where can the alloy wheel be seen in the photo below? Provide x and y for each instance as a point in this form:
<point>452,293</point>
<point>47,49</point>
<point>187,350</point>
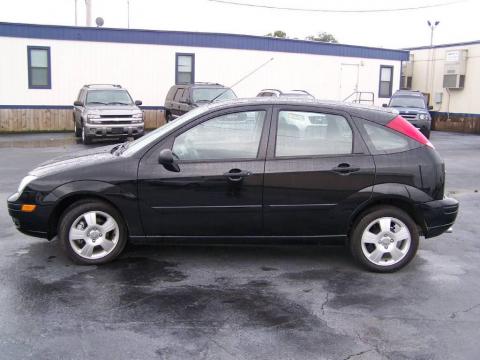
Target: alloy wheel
<point>94,235</point>
<point>386,241</point>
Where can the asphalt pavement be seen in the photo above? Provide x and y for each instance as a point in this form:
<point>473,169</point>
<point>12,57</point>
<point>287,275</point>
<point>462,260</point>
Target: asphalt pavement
<point>240,302</point>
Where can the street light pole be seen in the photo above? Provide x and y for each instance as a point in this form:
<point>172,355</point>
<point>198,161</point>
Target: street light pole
<point>431,57</point>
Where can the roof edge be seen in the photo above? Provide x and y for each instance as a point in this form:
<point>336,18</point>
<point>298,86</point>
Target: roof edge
<point>473,42</point>
<point>198,39</point>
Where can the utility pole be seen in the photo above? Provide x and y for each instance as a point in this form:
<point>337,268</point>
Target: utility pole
<point>431,57</point>
<point>88,5</point>
<point>76,18</point>
<point>128,14</point>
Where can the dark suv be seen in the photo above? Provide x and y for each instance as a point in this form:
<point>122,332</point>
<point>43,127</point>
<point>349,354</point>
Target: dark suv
<point>106,111</point>
<point>183,98</point>
<point>412,106</point>
<point>248,169</point>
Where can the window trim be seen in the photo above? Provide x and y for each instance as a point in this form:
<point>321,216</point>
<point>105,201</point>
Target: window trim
<point>273,134</point>
<point>29,67</point>
<point>390,88</point>
<point>177,55</point>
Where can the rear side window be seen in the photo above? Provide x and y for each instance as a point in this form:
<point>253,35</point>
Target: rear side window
<point>178,94</point>
<point>381,140</point>
<point>310,134</point>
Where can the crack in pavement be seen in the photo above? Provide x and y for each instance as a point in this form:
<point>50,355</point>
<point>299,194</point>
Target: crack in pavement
<point>454,314</point>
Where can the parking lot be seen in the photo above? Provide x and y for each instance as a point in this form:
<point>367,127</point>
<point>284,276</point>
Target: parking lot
<point>240,302</point>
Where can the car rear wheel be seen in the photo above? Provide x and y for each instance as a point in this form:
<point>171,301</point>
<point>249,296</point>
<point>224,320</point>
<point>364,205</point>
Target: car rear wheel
<point>92,232</point>
<point>168,116</point>
<point>86,140</point>
<point>384,239</point>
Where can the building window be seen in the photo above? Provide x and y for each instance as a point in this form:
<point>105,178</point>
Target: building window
<point>39,72</point>
<point>185,69</point>
<point>386,79</point>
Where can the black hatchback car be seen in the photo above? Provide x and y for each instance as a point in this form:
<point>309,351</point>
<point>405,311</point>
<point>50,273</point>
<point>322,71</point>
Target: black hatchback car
<point>264,168</point>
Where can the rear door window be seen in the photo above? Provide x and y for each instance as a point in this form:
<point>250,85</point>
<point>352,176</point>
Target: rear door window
<point>311,133</point>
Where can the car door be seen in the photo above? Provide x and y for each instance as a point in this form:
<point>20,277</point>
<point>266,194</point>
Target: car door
<point>218,190</point>
<point>318,171</point>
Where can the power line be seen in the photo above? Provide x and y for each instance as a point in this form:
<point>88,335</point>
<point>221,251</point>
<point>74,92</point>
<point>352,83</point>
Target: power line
<point>356,11</point>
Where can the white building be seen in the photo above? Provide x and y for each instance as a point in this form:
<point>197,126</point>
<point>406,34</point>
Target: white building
<point>42,68</point>
<point>450,75</point>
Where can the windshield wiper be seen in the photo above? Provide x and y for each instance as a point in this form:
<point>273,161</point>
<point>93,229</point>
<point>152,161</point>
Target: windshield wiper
<point>118,102</point>
<point>97,102</point>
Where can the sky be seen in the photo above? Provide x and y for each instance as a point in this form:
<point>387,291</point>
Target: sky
<point>399,29</point>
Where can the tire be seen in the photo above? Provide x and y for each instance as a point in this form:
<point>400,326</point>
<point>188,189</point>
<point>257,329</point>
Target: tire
<point>76,130</point>
<point>92,239</point>
<point>168,116</point>
<point>86,140</point>
<point>426,132</point>
<point>389,237</point>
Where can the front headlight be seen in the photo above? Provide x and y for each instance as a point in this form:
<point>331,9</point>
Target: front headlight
<point>422,116</point>
<point>93,118</point>
<point>138,115</point>
<point>25,181</point>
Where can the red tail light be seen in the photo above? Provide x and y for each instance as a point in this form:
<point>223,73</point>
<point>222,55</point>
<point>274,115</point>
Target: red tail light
<point>403,126</point>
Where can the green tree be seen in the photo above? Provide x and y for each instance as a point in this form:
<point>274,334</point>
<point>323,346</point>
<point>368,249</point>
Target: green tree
<point>324,37</point>
<point>278,34</point>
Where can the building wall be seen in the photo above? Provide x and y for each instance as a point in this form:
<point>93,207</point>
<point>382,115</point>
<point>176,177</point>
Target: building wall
<point>148,71</point>
<point>459,109</point>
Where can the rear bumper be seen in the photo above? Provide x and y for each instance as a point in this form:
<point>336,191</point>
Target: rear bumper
<point>34,223</point>
<point>439,215</point>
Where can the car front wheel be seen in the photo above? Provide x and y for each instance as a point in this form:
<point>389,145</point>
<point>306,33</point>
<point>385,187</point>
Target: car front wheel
<point>86,140</point>
<point>76,129</point>
<point>92,232</point>
<point>384,239</point>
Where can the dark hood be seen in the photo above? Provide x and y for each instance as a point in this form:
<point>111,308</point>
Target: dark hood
<point>75,160</point>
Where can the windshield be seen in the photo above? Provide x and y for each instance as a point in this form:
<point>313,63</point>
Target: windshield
<point>408,101</point>
<point>156,134</point>
<point>208,94</point>
<point>109,97</point>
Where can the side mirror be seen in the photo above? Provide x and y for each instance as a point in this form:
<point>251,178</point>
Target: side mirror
<point>384,105</point>
<point>184,101</point>
<point>77,103</point>
<point>138,102</point>
<point>430,107</point>
<point>167,159</point>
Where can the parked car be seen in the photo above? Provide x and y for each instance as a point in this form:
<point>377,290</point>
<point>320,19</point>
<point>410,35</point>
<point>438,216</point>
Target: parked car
<point>412,106</point>
<point>106,111</point>
<point>279,93</point>
<point>235,170</point>
<point>183,98</point>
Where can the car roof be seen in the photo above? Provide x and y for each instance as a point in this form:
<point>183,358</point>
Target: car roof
<point>408,93</point>
<point>103,86</point>
<point>370,112</point>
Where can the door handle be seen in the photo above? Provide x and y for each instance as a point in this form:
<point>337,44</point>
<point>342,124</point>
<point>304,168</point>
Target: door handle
<point>345,169</point>
<point>236,175</point>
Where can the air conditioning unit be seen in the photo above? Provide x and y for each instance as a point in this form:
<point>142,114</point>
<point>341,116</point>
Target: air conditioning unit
<point>454,69</point>
<point>407,74</point>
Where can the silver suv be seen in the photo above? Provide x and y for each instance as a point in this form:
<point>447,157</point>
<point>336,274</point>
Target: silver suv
<point>102,111</point>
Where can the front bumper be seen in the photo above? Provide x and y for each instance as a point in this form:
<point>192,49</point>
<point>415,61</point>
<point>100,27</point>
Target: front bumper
<point>439,215</point>
<point>114,130</point>
<point>33,223</point>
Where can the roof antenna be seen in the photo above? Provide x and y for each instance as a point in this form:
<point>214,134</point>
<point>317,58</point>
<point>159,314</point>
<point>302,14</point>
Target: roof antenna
<point>243,78</point>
